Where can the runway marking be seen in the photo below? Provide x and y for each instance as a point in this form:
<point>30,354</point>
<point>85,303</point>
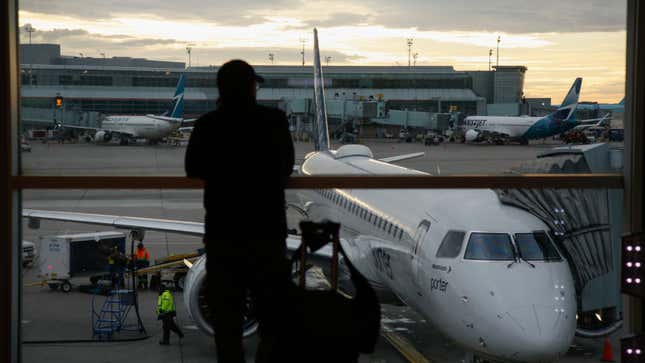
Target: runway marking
<point>398,342</point>
<point>403,346</point>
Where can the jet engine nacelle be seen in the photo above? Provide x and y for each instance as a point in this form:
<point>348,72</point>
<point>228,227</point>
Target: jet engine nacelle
<point>102,136</point>
<point>471,135</point>
<point>196,301</point>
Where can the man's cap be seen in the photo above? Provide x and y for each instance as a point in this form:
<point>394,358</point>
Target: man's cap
<point>140,244</point>
<point>237,70</point>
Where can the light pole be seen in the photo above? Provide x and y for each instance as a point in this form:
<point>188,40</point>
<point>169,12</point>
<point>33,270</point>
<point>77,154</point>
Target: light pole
<point>302,52</point>
<point>499,38</point>
<point>188,50</point>
<point>490,54</point>
<point>327,60</point>
<point>410,41</point>
<point>415,56</point>
<point>271,57</point>
<point>103,55</point>
<point>29,29</point>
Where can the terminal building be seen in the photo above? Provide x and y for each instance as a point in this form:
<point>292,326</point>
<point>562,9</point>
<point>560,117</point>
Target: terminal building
<point>122,85</point>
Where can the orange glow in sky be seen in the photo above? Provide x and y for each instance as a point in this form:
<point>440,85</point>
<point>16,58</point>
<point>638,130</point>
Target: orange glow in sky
<point>553,60</point>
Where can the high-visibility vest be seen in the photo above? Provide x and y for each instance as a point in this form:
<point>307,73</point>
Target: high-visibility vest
<point>142,254</point>
<point>165,303</point>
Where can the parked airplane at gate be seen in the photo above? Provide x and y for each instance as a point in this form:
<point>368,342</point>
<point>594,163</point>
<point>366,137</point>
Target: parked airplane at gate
<point>504,129</point>
<point>483,273</point>
<point>150,127</point>
<point>613,107</point>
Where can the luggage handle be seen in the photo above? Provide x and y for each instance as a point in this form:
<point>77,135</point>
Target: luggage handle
<point>316,235</point>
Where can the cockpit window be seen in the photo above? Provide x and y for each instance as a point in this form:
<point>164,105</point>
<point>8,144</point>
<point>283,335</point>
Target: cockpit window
<point>451,244</point>
<point>489,246</point>
<point>536,246</point>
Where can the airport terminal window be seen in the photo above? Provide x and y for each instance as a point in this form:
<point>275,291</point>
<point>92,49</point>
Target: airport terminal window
<point>201,82</point>
<point>490,247</point>
<point>536,246</point>
<point>155,81</point>
<point>451,244</point>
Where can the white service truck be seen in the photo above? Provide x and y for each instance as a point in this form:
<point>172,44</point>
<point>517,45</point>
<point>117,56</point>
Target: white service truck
<point>66,256</point>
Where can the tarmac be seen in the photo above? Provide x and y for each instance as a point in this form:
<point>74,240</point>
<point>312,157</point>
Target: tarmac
<point>49,317</point>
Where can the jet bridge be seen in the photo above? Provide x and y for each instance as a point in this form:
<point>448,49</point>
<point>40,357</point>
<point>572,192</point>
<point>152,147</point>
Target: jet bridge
<point>586,223</point>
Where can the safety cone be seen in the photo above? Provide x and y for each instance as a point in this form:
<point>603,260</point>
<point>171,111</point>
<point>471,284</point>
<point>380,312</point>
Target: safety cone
<point>607,353</point>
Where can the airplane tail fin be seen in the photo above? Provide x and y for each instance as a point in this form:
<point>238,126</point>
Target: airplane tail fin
<point>176,108</point>
<point>567,110</point>
<point>321,127</point>
<point>622,102</point>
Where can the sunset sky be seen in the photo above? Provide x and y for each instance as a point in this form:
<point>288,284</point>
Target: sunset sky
<point>556,40</point>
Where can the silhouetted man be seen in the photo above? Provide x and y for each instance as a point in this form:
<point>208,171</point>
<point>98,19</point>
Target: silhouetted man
<point>244,153</point>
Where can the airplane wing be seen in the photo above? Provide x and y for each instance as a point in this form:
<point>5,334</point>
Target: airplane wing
<point>96,129</point>
<point>393,159</point>
<point>594,122</point>
<point>120,222</point>
<point>139,223</point>
<point>66,126</point>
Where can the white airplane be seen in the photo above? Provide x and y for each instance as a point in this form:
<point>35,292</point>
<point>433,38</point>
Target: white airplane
<point>483,273</point>
<point>150,127</point>
<point>503,129</point>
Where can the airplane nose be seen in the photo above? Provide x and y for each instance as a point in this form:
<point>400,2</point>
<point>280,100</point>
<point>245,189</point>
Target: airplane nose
<point>543,333</point>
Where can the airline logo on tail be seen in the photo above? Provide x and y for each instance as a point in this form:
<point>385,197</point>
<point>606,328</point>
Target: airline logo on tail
<point>176,109</point>
<point>567,110</point>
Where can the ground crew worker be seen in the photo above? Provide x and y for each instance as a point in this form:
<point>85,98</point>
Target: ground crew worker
<point>166,313</point>
<point>115,268</point>
<point>142,260</point>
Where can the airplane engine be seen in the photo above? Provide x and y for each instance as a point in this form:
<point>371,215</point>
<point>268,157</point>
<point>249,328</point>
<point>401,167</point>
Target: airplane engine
<point>102,136</point>
<point>471,135</point>
<point>196,302</point>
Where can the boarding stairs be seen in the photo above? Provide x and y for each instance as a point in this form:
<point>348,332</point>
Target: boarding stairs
<point>114,311</point>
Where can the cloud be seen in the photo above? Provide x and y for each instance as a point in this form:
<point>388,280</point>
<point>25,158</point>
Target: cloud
<point>77,41</point>
<point>510,16</point>
<point>238,12</point>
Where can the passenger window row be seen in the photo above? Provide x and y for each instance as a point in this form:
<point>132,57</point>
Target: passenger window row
<point>363,213</point>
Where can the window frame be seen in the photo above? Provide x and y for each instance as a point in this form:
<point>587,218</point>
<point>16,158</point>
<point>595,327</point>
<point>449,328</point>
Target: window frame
<point>510,243</point>
<point>444,240</point>
<point>11,182</point>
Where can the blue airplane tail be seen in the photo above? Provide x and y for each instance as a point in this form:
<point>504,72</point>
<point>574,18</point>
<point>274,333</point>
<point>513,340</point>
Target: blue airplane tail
<point>176,107</point>
<point>622,102</point>
<point>567,110</point>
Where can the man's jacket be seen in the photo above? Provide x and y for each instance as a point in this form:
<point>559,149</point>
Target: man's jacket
<point>245,155</point>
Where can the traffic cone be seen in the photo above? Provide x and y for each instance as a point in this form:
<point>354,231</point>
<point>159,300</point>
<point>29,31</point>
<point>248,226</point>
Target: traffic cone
<point>607,353</point>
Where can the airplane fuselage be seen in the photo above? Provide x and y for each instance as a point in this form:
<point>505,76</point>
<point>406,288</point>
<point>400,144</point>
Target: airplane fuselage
<point>498,309</point>
<point>481,128</point>
<point>149,127</point>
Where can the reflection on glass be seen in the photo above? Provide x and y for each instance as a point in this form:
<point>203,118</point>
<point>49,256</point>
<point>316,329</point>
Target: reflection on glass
<point>451,244</point>
<point>489,246</point>
<point>536,246</point>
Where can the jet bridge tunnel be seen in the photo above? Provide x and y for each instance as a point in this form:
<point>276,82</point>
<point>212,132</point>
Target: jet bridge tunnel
<point>586,223</point>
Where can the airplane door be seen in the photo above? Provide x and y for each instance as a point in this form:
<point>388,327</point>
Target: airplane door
<point>422,232</point>
<point>419,264</point>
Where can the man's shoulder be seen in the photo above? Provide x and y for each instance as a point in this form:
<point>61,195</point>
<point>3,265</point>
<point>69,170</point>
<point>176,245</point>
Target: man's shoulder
<point>271,112</point>
<point>207,116</point>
